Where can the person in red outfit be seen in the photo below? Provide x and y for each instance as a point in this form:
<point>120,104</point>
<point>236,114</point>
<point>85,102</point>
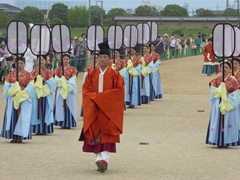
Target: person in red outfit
<point>119,63</point>
<point>209,59</point>
<point>103,102</point>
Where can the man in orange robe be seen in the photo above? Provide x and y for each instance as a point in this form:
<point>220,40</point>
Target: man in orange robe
<point>103,102</point>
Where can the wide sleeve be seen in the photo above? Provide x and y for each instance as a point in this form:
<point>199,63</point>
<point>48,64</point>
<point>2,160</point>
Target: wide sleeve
<point>232,84</point>
<point>89,109</point>
<point>111,103</point>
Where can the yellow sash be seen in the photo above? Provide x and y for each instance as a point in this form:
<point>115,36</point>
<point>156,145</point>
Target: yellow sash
<point>41,90</point>
<point>17,94</point>
<point>221,92</point>
<point>65,87</point>
<point>132,71</point>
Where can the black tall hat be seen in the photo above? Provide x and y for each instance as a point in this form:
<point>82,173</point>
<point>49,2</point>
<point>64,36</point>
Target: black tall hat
<point>104,48</point>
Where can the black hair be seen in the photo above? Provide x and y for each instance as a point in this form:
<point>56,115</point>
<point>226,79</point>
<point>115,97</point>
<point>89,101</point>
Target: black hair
<point>152,43</point>
<point>44,56</point>
<point>21,58</point>
<point>236,59</point>
<point>210,39</point>
<point>66,54</point>
<point>227,63</point>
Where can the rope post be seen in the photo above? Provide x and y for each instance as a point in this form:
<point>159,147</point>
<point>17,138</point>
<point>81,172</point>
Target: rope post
<point>170,54</point>
<point>75,63</point>
<point>182,52</point>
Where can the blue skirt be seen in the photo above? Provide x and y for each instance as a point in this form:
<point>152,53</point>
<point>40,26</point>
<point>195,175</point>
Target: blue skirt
<point>208,69</point>
<point>159,87</point>
<point>159,96</point>
<point>138,100</point>
<point>68,121</point>
<point>152,93</point>
<point>43,127</point>
<point>8,134</point>
<point>147,99</point>
<point>219,141</point>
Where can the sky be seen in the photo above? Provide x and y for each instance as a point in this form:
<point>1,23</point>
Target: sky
<point>132,4</point>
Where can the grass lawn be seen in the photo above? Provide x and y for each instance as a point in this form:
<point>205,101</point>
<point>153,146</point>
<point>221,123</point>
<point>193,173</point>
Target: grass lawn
<point>186,32</point>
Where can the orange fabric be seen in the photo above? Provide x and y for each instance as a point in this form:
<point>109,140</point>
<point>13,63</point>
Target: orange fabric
<point>209,49</point>
<point>103,112</point>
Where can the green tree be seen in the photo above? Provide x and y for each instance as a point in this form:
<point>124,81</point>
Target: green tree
<point>56,21</point>
<point>174,10</point>
<point>109,18</point>
<point>230,12</point>
<point>146,11</point>
<point>78,16</point>
<point>204,13</point>
<point>30,15</point>
<point>59,10</point>
<point>4,20</point>
<point>96,14</point>
<point>116,12</point>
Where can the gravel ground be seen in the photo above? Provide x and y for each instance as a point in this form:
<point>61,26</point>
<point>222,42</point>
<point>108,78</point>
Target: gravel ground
<point>172,126</point>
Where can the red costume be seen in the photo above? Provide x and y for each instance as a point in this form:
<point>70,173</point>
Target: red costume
<point>45,73</point>
<point>69,72</point>
<point>231,83</point>
<point>102,112</point>
<point>23,78</point>
<point>147,58</point>
<point>135,60</point>
<point>209,49</point>
<point>237,75</point>
<point>118,62</point>
<point>155,56</point>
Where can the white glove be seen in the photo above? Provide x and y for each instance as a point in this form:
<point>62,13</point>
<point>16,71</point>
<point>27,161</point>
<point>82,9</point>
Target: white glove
<point>208,56</point>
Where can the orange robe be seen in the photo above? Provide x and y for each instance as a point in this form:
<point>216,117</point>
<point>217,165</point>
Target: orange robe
<point>209,49</point>
<point>103,112</point>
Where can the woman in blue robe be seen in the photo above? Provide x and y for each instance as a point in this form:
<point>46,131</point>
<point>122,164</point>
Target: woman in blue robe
<point>65,111</point>
<point>20,111</point>
<point>225,100</point>
<point>44,90</point>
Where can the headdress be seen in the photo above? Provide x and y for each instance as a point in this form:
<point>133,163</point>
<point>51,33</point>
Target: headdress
<point>104,48</point>
<point>226,61</point>
<point>21,58</point>
<point>66,54</point>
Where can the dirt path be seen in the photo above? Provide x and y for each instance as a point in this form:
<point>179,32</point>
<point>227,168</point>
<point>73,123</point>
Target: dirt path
<point>172,126</point>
